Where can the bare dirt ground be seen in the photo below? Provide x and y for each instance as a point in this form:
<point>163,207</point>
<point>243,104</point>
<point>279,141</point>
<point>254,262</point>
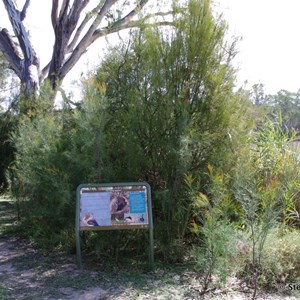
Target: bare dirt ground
<point>28,273</point>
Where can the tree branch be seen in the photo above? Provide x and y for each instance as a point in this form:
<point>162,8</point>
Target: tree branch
<point>157,14</point>
<point>26,67</point>
<point>74,15</point>
<point>92,35</point>
<point>106,31</point>
<point>134,12</point>
<point>10,51</point>
<point>66,99</point>
<point>64,9</point>
<point>71,40</point>
<point>124,24</point>
<point>54,13</point>
<point>103,11</point>
<point>72,60</point>
<point>24,10</point>
<point>44,72</point>
<point>77,8</point>
<point>65,25</point>
<point>19,30</point>
<point>79,30</point>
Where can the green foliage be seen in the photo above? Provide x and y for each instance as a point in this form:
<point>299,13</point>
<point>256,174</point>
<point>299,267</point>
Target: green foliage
<point>8,123</point>
<point>260,187</point>
<point>41,177</point>
<point>283,102</point>
<point>266,171</point>
<point>288,103</point>
<point>213,257</point>
<point>279,263</point>
<point>217,236</point>
<point>4,74</point>
<point>4,293</point>
<point>281,258</point>
<point>159,109</point>
<point>170,110</point>
<point>36,177</point>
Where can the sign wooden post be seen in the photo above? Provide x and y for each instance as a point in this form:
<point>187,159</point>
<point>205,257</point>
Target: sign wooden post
<point>113,206</point>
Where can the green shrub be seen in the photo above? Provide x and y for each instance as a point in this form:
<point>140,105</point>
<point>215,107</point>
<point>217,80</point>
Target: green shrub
<point>41,181</point>
<point>171,112</point>
<point>279,262</point>
<point>8,123</point>
<point>281,258</point>
<point>264,167</point>
<point>55,153</point>
<point>158,109</point>
<point>216,253</point>
<point>217,236</point>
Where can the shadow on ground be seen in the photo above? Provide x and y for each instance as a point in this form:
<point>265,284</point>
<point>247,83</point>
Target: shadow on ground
<point>26,272</point>
<point>7,214</point>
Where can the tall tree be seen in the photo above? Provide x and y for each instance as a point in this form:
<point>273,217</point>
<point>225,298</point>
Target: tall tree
<point>258,94</point>
<point>288,103</point>
<point>76,26</point>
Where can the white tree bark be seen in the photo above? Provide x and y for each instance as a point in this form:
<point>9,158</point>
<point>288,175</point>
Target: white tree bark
<point>21,56</point>
<point>71,37</point>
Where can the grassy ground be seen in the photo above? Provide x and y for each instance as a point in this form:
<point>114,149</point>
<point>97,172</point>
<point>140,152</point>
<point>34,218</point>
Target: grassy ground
<point>28,273</point>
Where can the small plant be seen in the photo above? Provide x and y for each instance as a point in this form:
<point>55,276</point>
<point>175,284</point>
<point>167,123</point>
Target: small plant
<point>281,258</point>
<point>216,235</point>
<point>259,181</point>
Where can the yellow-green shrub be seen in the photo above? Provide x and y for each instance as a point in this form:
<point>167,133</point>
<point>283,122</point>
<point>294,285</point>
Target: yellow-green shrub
<point>281,257</point>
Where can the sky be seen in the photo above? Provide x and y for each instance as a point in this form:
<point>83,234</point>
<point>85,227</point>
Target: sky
<point>268,52</point>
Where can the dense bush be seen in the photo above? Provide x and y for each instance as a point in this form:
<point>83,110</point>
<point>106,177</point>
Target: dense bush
<point>279,264</point>
<point>55,153</point>
<point>171,112</point>
<point>40,179</point>
<point>260,189</point>
<point>8,123</point>
<point>159,108</point>
<point>281,258</point>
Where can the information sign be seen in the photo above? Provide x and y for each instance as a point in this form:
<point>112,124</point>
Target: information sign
<point>113,206</point>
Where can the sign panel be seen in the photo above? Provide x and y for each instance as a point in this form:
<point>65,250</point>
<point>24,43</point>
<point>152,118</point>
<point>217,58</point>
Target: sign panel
<point>113,207</point>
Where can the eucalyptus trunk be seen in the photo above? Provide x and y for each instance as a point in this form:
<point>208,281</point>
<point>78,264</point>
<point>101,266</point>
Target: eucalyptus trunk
<point>75,26</point>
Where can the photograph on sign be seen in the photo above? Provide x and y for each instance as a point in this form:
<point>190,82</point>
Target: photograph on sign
<point>113,206</point>
<point>94,207</point>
